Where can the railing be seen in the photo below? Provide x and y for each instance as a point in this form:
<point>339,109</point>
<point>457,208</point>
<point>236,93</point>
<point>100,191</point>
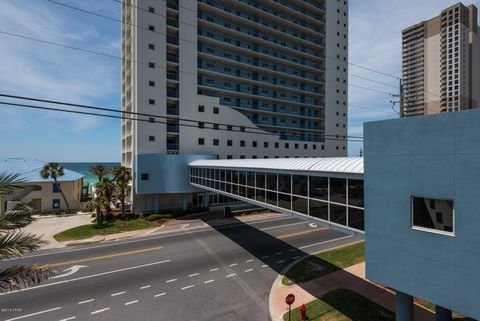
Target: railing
<point>172,5</point>
<point>172,94</point>
<point>172,58</point>
<point>172,40</point>
<point>173,128</point>
<point>173,146</point>
<point>173,111</point>
<point>173,76</point>
<point>172,22</point>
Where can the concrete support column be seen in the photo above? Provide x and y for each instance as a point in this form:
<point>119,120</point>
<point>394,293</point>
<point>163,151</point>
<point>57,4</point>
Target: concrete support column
<point>206,199</point>
<point>404,307</point>
<point>442,314</point>
<point>184,201</point>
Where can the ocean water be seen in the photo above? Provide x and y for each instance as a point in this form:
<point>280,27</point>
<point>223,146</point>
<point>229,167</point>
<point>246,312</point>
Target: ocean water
<point>83,168</point>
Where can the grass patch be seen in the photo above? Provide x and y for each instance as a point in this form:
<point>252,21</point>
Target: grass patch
<point>91,230</point>
<point>155,217</point>
<point>343,305</point>
<point>323,263</point>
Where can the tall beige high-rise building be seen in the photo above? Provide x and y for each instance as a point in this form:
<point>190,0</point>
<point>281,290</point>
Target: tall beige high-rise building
<point>441,63</point>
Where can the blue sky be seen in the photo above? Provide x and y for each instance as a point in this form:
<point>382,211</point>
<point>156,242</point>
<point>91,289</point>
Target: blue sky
<point>39,70</point>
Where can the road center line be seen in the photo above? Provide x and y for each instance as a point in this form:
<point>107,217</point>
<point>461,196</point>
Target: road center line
<point>320,243</point>
<point>32,314</point>
<point>102,257</point>
<point>301,233</point>
<point>86,301</point>
<point>99,311</point>
<point>194,274</point>
<point>68,319</point>
<point>118,293</point>
<point>278,226</point>
<point>172,280</point>
<point>188,287</point>
<point>249,270</point>
<point>209,281</point>
<point>160,294</point>
<point>131,302</point>
<point>87,277</point>
<point>145,287</point>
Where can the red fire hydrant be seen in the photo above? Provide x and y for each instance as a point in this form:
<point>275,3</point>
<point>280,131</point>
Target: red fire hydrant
<point>303,311</point>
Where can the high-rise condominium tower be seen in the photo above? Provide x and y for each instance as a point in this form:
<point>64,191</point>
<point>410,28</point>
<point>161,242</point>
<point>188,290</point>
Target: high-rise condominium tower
<point>228,79</point>
<point>441,63</point>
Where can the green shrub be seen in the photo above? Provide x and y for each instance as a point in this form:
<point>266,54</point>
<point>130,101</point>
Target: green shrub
<point>157,216</point>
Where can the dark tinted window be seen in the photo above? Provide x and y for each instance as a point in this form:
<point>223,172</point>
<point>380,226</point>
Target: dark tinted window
<point>300,185</point>
<point>356,218</point>
<point>260,196</point>
<point>251,193</point>
<point>260,180</point>
<point>284,183</point>
<point>272,182</point>
<point>338,190</point>
<point>319,209</point>
<point>432,214</point>
<point>242,191</point>
<point>228,176</point>
<point>251,179</point>
<point>284,201</point>
<point>272,198</point>
<point>338,214</point>
<point>242,178</point>
<point>300,204</point>
<point>355,192</point>
<point>319,187</point>
<point>234,177</point>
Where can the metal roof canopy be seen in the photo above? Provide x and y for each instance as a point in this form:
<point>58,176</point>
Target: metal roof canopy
<point>347,165</point>
<point>29,170</point>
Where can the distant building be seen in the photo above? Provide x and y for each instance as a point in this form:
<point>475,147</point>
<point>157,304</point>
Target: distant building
<point>228,79</point>
<point>441,63</point>
<point>40,194</point>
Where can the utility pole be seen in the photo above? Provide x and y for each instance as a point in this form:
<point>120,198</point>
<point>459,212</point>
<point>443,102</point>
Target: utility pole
<point>401,99</point>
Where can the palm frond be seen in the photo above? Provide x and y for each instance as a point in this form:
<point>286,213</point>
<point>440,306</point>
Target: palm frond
<point>18,277</point>
<point>18,243</point>
<point>8,182</point>
<point>19,217</point>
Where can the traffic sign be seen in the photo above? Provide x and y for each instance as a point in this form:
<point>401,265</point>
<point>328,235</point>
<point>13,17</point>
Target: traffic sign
<point>290,299</point>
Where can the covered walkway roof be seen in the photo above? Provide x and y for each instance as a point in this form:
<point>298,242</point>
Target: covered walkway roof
<point>347,165</point>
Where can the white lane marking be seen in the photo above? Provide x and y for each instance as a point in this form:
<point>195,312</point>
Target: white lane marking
<point>100,311</point>
<point>248,261</point>
<point>194,274</point>
<point>188,287</point>
<point>88,276</point>
<point>32,314</point>
<point>215,269</point>
<point>86,301</point>
<point>265,265</point>
<point>296,257</point>
<point>234,264</point>
<point>185,225</point>
<point>281,261</point>
<point>160,294</point>
<point>249,270</point>
<point>118,293</point>
<point>172,280</point>
<point>68,319</point>
<point>145,287</point>
<point>209,281</point>
<point>131,302</point>
<point>279,253</point>
<point>230,275</point>
<point>71,270</point>
<point>265,257</point>
<point>324,242</point>
<point>285,225</point>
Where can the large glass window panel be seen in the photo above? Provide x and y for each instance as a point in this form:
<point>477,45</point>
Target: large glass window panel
<point>208,173</point>
<point>222,186</point>
<point>251,179</point>
<point>260,177</point>
<point>251,193</point>
<point>242,190</point>
<point>222,175</point>
<point>319,187</point>
<point>272,182</point>
<point>338,190</point>
<point>228,188</point>
<point>338,214</point>
<point>234,188</point>
<point>356,218</point>
<point>284,183</point>
<point>355,192</point>
<point>284,201</point>
<point>319,209</point>
<point>234,177</point>
<point>217,184</point>
<point>432,214</point>
<point>300,204</point>
<point>260,195</point>
<point>272,198</point>
<point>217,174</point>
<point>228,176</point>
<point>242,178</point>
<point>300,185</point>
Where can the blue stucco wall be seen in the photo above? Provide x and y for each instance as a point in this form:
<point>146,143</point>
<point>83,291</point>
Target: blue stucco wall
<point>434,156</point>
<point>167,173</point>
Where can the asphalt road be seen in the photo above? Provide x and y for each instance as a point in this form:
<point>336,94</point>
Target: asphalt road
<point>208,273</point>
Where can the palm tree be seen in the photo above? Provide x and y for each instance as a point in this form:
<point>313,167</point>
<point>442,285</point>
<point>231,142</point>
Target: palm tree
<point>121,176</point>
<point>14,243</point>
<point>54,171</point>
<point>98,204</point>
<point>105,189</point>
<point>99,170</point>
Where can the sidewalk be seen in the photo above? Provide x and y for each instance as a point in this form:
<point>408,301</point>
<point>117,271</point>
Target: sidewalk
<point>351,278</point>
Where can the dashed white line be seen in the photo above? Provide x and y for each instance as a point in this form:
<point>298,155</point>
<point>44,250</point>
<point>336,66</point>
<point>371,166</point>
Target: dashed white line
<point>281,261</point>
<point>209,281</point>
<point>100,311</point>
<point>265,257</point>
<point>68,319</point>
<point>172,280</point>
<point>215,269</point>
<point>118,293</point>
<point>249,270</point>
<point>32,314</point>
<point>248,261</point>
<point>86,301</point>
<point>279,253</point>
<point>230,275</point>
<point>188,287</point>
<point>160,294</point>
<point>234,264</point>
<point>296,257</point>
<point>264,266</point>
<point>131,302</point>
<point>145,287</point>
<point>194,274</point>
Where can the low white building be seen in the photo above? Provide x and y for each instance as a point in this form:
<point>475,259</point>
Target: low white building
<point>40,194</point>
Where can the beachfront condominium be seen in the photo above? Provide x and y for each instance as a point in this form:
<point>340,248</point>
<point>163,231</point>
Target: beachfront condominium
<point>228,79</point>
<point>441,63</point>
